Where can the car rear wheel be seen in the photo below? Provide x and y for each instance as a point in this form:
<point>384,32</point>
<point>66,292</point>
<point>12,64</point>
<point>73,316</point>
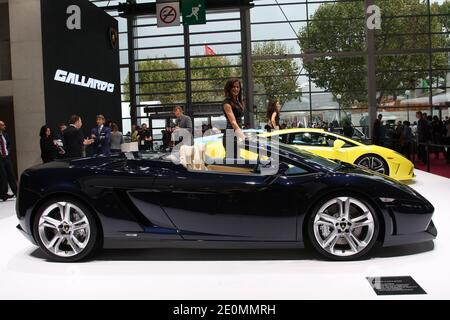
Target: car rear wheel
<point>343,227</point>
<point>66,230</point>
<point>374,163</point>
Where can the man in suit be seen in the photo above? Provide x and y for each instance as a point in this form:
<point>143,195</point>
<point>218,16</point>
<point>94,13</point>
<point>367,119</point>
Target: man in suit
<point>377,130</point>
<point>7,176</point>
<point>74,140</point>
<point>101,135</point>
<point>423,135</point>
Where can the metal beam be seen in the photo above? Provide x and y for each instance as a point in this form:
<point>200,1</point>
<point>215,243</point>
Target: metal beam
<point>131,21</point>
<point>149,9</point>
<point>371,71</point>
<point>247,70</point>
<point>430,59</point>
<point>187,68</point>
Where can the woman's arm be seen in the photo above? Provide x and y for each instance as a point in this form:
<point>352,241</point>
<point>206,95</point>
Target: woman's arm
<point>274,121</point>
<point>229,114</point>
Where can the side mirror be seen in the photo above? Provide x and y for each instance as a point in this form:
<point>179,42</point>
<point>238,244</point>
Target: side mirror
<point>338,144</point>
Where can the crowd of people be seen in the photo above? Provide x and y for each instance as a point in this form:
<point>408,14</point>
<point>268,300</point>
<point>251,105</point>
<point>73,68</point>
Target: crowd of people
<point>104,139</point>
<point>427,132</point>
<point>69,141</point>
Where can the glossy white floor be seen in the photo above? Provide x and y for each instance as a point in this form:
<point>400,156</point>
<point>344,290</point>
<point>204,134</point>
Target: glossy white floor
<point>230,274</point>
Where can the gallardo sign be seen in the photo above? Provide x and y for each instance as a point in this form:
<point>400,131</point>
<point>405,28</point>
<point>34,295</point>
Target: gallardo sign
<point>81,62</point>
<point>83,81</point>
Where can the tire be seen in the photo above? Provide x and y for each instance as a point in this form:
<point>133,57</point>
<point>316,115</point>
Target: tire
<point>66,238</point>
<point>340,234</point>
<point>374,163</point>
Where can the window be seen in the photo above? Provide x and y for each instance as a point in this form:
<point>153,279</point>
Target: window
<point>294,170</point>
<point>315,139</point>
<point>310,139</point>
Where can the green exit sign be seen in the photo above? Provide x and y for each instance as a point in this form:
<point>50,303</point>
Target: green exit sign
<point>193,11</point>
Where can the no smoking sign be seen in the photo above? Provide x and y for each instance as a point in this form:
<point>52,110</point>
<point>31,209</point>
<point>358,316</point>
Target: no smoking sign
<point>168,14</point>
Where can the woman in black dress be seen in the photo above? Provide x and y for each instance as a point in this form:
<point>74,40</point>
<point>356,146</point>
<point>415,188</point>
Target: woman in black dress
<point>233,109</point>
<point>49,150</point>
<point>273,115</point>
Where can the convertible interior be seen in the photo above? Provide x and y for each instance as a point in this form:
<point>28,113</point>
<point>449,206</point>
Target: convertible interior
<point>194,158</point>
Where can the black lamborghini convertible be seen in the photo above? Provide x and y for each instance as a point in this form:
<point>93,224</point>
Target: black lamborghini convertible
<point>72,208</point>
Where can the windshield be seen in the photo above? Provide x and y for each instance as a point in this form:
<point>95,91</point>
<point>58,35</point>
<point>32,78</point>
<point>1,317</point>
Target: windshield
<point>310,158</point>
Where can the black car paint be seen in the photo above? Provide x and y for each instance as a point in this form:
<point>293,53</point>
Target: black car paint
<point>156,203</point>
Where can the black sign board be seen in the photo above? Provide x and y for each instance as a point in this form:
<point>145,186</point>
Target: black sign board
<point>386,286</point>
<point>81,62</point>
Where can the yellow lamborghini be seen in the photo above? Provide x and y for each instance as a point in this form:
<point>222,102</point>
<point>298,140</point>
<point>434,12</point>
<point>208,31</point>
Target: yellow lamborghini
<point>336,147</point>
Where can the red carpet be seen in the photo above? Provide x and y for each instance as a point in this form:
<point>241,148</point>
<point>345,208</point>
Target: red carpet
<point>437,166</point>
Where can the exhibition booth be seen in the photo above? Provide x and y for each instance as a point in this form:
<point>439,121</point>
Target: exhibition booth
<point>304,212</point>
<point>26,273</point>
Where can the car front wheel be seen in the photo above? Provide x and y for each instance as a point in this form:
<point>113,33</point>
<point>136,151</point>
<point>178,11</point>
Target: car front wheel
<point>343,227</point>
<point>66,230</point>
<point>374,163</point>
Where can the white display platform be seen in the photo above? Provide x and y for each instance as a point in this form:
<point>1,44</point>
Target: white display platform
<point>224,274</point>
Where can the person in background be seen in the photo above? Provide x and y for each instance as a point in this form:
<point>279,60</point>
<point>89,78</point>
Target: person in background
<point>347,129</point>
<point>444,125</point>
<point>376,137</point>
<point>182,122</point>
<point>397,136</point>
<point>145,138</point>
<point>273,115</point>
<point>422,135</point>
<point>414,128</point>
<point>74,140</point>
<point>447,141</point>
<point>49,148</point>
<point>116,139</point>
<point>135,133</point>
<point>59,133</point>
<point>167,138</point>
<point>437,129</point>
<point>101,135</point>
<point>406,140</point>
<point>7,176</point>
<point>59,138</point>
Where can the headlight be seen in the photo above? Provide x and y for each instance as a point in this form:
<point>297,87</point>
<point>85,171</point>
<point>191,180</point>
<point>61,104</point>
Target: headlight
<point>387,200</point>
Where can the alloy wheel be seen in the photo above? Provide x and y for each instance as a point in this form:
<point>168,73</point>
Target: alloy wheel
<point>373,163</point>
<point>344,226</point>
<point>64,229</point>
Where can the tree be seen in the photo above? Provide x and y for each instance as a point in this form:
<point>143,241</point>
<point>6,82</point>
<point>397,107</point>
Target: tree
<point>166,86</point>
<point>275,77</point>
<point>340,27</point>
<point>215,68</point>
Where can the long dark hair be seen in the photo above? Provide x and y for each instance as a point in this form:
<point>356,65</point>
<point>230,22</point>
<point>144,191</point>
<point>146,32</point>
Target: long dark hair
<point>227,91</point>
<point>43,131</point>
<point>271,108</point>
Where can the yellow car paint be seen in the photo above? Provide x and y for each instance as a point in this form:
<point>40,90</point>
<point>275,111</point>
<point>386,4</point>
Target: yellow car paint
<point>400,168</point>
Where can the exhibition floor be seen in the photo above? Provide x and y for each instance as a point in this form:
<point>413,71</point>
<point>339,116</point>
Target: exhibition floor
<point>226,274</point>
